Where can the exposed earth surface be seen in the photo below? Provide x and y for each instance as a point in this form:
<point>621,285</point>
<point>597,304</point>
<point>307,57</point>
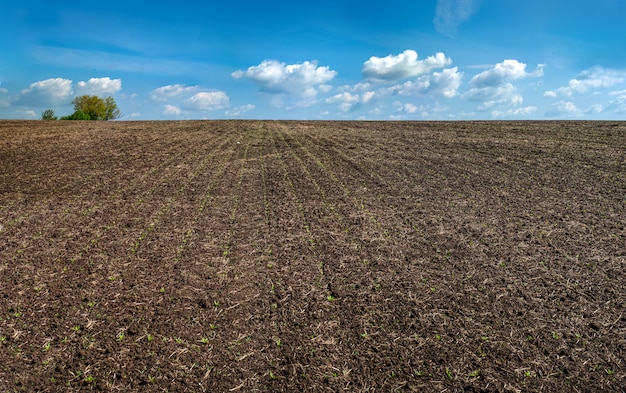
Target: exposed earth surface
<point>294,256</point>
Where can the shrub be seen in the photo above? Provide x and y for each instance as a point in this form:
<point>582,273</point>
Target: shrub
<point>48,114</point>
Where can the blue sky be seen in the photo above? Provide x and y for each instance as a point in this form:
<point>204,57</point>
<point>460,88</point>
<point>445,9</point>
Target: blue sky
<point>375,60</point>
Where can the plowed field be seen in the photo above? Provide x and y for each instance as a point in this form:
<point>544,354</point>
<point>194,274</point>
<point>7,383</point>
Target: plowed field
<point>312,256</point>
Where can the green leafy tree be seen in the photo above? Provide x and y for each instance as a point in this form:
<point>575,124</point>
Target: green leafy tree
<point>96,107</point>
<point>78,115</point>
<point>48,114</point>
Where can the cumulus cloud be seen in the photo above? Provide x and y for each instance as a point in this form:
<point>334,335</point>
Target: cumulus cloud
<point>515,112</point>
<point>273,76</point>
<point>405,108</point>
<point>52,91</point>
<point>564,109</point>
<point>445,83</point>
<point>239,111</point>
<point>346,101</point>
<point>172,110</point>
<point>449,14</point>
<point>165,93</point>
<point>206,101</point>
<point>591,79</point>
<point>180,99</point>
<point>99,86</point>
<point>506,71</point>
<point>402,66</point>
<point>437,84</point>
<point>494,86</point>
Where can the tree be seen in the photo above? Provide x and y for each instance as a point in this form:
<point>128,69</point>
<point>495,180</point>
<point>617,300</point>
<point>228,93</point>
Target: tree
<point>78,115</point>
<point>96,107</point>
<point>48,114</point>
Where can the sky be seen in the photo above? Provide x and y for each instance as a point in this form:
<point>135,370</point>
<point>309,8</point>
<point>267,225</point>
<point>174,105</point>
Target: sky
<point>326,60</point>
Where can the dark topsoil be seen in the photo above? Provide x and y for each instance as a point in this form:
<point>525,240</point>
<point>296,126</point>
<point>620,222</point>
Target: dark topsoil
<point>312,256</point>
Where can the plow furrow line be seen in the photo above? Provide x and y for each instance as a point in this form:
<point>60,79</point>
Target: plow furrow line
<point>227,246</point>
<point>373,217</point>
<point>92,179</point>
<point>166,206</point>
<point>86,216</point>
<point>205,200</point>
<point>99,234</point>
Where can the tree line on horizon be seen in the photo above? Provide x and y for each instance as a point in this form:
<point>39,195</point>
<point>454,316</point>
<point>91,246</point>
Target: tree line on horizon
<point>88,108</point>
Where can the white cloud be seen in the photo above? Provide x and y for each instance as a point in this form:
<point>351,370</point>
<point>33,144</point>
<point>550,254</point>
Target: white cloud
<point>206,101</point>
<point>346,101</point>
<point>445,83</point>
<point>172,110</point>
<point>239,111</point>
<point>165,93</point>
<point>493,87</point>
<point>99,86</point>
<point>179,99</point>
<point>407,108</point>
<point>506,71</point>
<point>401,66</point>
<point>449,14</point>
<point>489,97</point>
<point>295,79</point>
<point>325,88</point>
<point>564,109</point>
<point>361,86</point>
<point>47,92</point>
<point>515,112</point>
<point>591,79</point>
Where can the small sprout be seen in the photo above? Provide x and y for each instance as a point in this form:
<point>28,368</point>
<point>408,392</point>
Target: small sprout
<point>46,347</point>
<point>438,337</point>
<point>216,303</point>
<point>90,379</point>
<point>76,328</point>
<point>433,290</point>
<point>162,290</point>
<point>419,373</point>
<point>609,371</point>
<point>330,298</point>
<point>449,374</point>
<point>364,335</point>
<point>528,373</point>
<point>178,340</point>
<point>474,374</point>
<point>555,335</point>
<point>272,375</point>
<point>17,314</point>
<point>204,340</point>
<point>120,337</point>
<point>151,378</point>
<point>149,337</point>
<point>279,342</point>
<point>91,304</point>
<point>212,326</point>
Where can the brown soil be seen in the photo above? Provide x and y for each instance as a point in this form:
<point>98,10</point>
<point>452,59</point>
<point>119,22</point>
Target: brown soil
<point>312,256</point>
